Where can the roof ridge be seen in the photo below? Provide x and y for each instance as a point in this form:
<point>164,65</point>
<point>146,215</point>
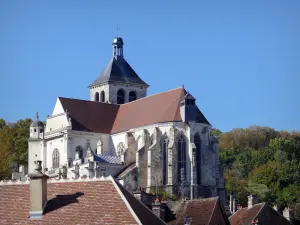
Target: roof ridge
<point>213,211</point>
<point>263,205</point>
<point>154,95</point>
<point>77,99</point>
<point>125,201</point>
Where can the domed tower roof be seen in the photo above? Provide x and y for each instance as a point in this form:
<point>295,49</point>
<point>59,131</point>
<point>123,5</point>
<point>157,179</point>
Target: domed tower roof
<point>118,69</point>
<point>37,122</point>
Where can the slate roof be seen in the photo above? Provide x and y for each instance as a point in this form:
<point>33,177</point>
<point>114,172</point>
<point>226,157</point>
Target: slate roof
<point>118,70</point>
<point>108,118</point>
<point>108,159</point>
<point>76,202</point>
<point>208,211</point>
<point>263,212</point>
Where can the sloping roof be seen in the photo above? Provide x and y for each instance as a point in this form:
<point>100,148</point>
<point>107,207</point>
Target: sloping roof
<point>163,107</point>
<point>118,70</point>
<point>108,118</point>
<point>262,211</point>
<point>108,159</point>
<point>76,202</point>
<point>207,211</point>
<point>126,170</point>
<point>142,211</point>
<point>90,116</point>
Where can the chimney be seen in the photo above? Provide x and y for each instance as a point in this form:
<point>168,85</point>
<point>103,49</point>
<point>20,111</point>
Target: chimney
<point>288,214</point>
<point>159,210</point>
<point>233,205</point>
<point>252,200</point>
<point>38,191</point>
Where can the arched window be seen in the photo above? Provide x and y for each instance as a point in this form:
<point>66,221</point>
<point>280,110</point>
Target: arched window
<point>79,149</point>
<point>132,96</point>
<point>96,97</point>
<point>197,142</point>
<point>102,96</point>
<point>55,159</point>
<point>164,148</point>
<point>120,96</point>
<point>181,158</point>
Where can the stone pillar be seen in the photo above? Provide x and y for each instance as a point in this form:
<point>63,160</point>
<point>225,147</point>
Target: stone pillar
<point>38,192</point>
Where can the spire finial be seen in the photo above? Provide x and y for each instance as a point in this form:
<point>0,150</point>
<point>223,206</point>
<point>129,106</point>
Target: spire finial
<point>118,30</point>
<point>37,115</point>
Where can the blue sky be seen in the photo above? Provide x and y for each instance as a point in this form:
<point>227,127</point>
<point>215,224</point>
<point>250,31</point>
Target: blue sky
<point>240,59</point>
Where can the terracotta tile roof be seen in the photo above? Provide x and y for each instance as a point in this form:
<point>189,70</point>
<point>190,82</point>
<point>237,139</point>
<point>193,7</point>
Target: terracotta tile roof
<point>262,211</point>
<point>207,211</point>
<point>90,116</point>
<point>163,107</point>
<point>76,202</point>
<point>108,118</point>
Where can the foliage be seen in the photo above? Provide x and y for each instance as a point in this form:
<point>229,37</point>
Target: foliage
<point>13,145</point>
<point>262,161</point>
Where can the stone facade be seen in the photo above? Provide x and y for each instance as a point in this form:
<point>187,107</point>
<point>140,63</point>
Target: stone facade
<point>179,157</point>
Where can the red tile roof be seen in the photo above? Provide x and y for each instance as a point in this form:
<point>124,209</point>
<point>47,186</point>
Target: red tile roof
<point>207,211</point>
<point>76,202</point>
<point>109,118</point>
<point>263,212</point>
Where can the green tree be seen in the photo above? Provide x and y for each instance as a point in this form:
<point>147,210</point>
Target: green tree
<point>2,123</point>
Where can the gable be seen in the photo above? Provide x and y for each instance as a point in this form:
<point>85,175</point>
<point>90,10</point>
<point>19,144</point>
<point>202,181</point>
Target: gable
<point>58,109</point>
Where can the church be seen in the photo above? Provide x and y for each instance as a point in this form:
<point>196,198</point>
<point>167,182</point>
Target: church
<point>143,141</point>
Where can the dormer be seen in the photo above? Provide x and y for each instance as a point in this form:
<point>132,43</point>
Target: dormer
<point>188,108</point>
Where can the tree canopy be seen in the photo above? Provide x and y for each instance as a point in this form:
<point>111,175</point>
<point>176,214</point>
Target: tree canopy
<point>262,161</point>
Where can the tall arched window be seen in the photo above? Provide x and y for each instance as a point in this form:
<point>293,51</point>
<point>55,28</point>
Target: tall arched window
<point>102,96</point>
<point>197,142</point>
<point>79,149</point>
<point>96,97</point>
<point>132,96</point>
<point>181,158</point>
<point>164,148</point>
<point>55,159</point>
<point>121,96</point>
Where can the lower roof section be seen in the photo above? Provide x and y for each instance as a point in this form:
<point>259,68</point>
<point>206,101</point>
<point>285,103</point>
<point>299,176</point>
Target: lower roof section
<point>108,118</point>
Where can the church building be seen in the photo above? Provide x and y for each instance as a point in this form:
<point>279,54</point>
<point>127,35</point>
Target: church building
<point>144,141</point>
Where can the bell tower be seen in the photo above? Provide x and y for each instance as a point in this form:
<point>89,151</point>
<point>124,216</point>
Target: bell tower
<point>118,83</point>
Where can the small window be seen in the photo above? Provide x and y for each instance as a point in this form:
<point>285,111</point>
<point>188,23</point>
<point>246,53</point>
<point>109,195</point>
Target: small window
<point>34,130</point>
<point>132,96</point>
<point>120,96</point>
<point>79,149</point>
<point>55,159</point>
<point>96,97</point>
<point>41,130</point>
<point>102,96</point>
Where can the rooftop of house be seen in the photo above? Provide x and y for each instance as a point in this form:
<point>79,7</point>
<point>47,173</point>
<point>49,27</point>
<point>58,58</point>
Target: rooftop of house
<point>81,201</point>
<point>264,213</point>
<point>108,118</point>
<point>207,211</point>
